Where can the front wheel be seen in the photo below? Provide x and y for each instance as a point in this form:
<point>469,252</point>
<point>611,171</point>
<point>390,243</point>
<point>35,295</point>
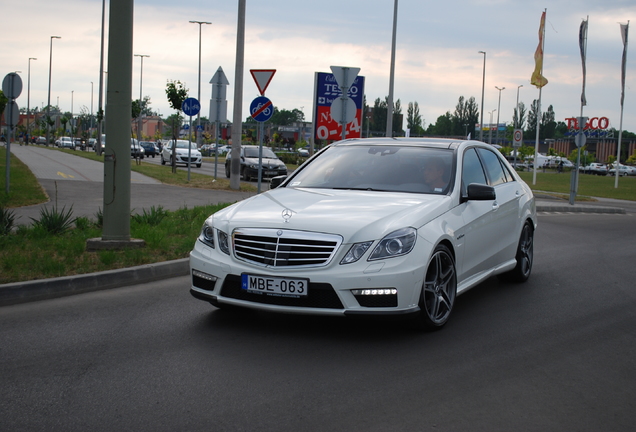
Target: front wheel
<point>439,290</point>
<point>525,257</point>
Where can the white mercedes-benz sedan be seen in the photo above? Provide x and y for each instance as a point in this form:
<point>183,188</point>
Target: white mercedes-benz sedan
<point>371,227</point>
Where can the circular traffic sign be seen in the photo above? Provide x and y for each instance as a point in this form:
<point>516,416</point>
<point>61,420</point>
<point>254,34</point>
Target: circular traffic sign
<point>261,109</point>
<point>12,85</point>
<point>579,139</point>
<point>190,107</point>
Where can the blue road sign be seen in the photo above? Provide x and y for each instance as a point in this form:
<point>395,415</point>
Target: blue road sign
<point>191,107</point>
<point>261,109</point>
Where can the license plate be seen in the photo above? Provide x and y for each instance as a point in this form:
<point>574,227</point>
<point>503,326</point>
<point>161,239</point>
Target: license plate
<point>270,172</point>
<point>283,287</point>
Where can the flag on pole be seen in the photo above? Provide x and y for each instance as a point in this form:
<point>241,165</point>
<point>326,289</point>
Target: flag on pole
<point>624,31</point>
<point>537,78</point>
<point>583,48</point>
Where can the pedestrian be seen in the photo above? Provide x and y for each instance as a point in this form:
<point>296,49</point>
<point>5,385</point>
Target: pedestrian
<point>560,167</point>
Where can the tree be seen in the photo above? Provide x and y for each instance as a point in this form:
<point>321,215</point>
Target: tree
<point>465,117</point>
<point>3,102</point>
<point>414,119</point>
<point>533,115</point>
<point>443,126</point>
<point>176,93</point>
<point>548,124</point>
<point>519,117</point>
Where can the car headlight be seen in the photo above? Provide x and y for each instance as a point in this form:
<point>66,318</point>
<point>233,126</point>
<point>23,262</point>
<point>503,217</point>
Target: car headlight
<point>207,234</point>
<point>224,244</point>
<point>355,252</point>
<point>397,243</point>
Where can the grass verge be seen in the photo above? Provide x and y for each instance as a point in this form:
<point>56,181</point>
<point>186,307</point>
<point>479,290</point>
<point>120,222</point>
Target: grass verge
<point>589,185</point>
<point>36,253</point>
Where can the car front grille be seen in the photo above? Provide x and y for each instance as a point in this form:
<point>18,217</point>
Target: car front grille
<point>320,295</point>
<point>284,248</point>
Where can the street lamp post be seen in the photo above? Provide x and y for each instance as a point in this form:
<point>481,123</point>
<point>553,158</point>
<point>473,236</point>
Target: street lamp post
<point>29,96</point>
<point>199,83</point>
<point>483,83</point>
<point>91,107</point>
<point>490,127</point>
<point>71,119</point>
<point>498,110</point>
<point>518,119</point>
<point>48,105</point>
<point>141,77</point>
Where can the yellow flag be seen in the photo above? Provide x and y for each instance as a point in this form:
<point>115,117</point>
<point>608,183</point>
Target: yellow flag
<point>537,79</point>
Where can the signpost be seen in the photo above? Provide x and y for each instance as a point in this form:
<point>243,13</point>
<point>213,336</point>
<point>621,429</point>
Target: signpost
<point>11,87</point>
<point>261,110</point>
<point>190,107</point>
<point>218,108</point>
<point>517,142</point>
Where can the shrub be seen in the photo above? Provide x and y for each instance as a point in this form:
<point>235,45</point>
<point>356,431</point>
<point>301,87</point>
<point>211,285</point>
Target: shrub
<point>54,221</point>
<point>7,218</point>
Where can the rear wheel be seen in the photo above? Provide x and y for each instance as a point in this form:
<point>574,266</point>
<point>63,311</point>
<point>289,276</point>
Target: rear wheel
<point>525,257</point>
<point>245,176</point>
<point>439,290</point>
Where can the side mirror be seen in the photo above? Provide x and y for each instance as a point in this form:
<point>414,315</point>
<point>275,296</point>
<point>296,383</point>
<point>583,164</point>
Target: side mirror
<point>479,192</point>
<point>276,181</point>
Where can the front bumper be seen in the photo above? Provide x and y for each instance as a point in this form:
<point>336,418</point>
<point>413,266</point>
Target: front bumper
<point>333,290</point>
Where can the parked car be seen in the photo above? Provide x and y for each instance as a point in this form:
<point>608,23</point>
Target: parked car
<point>272,166</point>
<point>91,143</point>
<point>303,152</point>
<point>623,170</point>
<point>372,227</point>
<point>595,168</point>
<point>65,142</point>
<point>181,152</point>
<point>40,140</point>
<point>136,150</point>
<point>150,148</point>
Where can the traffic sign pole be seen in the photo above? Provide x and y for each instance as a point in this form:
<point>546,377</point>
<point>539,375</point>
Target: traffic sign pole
<point>190,107</point>
<point>11,87</point>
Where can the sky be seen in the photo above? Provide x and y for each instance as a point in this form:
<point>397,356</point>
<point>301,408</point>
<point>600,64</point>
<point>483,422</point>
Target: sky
<point>437,52</point>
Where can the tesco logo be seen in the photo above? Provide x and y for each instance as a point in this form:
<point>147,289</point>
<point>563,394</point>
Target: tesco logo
<point>593,123</point>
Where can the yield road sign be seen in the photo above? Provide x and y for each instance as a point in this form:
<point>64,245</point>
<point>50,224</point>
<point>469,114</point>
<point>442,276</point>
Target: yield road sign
<point>190,107</point>
<point>261,109</point>
<point>345,76</point>
<point>262,78</point>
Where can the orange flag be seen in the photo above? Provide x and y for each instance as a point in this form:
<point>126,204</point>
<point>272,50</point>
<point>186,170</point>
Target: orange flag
<point>537,79</point>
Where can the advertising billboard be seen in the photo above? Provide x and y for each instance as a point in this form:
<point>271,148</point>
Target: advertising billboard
<point>326,91</point>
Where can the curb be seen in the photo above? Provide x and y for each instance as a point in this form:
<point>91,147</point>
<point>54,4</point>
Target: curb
<point>24,292</point>
<point>578,209</point>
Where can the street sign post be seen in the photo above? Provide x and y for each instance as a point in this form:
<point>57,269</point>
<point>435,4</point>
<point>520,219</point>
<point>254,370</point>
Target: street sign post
<point>343,109</point>
<point>218,108</point>
<point>11,87</point>
<point>261,110</point>
<point>190,107</point>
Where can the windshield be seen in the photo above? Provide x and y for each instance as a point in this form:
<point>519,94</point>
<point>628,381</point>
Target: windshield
<point>380,168</point>
<point>252,152</point>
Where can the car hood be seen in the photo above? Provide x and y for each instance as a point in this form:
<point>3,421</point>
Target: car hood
<point>184,151</point>
<point>355,215</point>
<point>266,162</point>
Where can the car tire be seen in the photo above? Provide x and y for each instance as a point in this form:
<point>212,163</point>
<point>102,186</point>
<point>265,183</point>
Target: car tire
<point>245,176</point>
<point>438,291</point>
<point>198,165</point>
<point>524,257</point>
<point>227,171</point>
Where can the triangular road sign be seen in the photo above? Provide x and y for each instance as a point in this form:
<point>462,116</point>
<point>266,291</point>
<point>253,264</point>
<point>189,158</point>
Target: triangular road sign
<point>262,78</point>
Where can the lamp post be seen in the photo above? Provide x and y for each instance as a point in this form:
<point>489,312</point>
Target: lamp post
<point>48,105</point>
<point>29,96</point>
<point>199,82</point>
<point>498,110</point>
<point>141,77</point>
<point>100,112</point>
<point>91,107</point>
<point>518,119</point>
<point>71,119</point>
<point>483,83</point>
<point>490,127</point>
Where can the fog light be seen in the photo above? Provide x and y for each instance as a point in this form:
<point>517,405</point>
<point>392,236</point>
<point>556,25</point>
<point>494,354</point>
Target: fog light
<point>376,297</point>
<point>205,276</point>
<point>381,291</point>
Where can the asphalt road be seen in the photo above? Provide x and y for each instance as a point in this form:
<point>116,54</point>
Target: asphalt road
<point>555,354</point>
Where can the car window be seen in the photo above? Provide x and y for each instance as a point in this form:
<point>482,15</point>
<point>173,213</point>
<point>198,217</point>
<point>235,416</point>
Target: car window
<point>472,170</point>
<point>493,167</point>
<point>380,168</point>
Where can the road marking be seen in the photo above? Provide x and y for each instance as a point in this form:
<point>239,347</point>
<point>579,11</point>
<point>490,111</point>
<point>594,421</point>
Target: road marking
<point>61,174</point>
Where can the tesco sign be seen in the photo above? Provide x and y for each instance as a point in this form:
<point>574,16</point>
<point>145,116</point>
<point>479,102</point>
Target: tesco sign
<point>594,123</point>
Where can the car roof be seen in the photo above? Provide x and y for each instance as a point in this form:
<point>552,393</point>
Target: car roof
<point>442,143</point>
